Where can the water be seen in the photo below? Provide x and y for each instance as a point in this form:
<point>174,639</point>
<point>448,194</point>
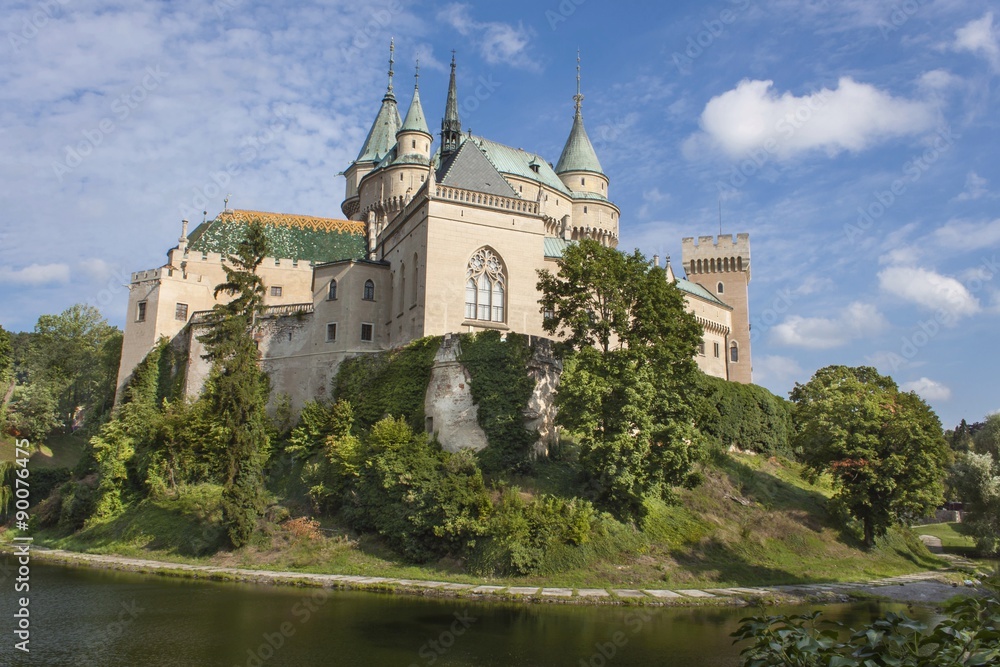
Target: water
<point>98,617</point>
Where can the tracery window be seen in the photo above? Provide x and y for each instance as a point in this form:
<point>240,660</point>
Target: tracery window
<point>485,287</point>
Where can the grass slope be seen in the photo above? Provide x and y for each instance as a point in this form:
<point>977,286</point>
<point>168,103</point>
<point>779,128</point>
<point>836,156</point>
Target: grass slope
<point>754,521</point>
<point>956,538</point>
<point>58,451</point>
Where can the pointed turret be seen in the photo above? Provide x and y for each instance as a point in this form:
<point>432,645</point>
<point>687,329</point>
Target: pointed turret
<point>382,136</point>
<point>415,120</point>
<point>578,153</point>
<point>451,124</point>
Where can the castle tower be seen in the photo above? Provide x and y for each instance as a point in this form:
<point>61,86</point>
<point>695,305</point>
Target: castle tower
<point>451,124</point>
<point>723,268</point>
<point>578,166</point>
<point>380,140</point>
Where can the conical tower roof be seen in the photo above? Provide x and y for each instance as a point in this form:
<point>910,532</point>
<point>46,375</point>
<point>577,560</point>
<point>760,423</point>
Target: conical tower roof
<point>382,135</point>
<point>578,153</point>
<point>415,120</point>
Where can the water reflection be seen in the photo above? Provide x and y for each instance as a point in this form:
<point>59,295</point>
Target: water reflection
<point>93,617</point>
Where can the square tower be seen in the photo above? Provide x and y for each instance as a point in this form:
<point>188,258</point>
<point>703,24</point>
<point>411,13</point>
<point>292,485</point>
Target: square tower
<point>722,266</point>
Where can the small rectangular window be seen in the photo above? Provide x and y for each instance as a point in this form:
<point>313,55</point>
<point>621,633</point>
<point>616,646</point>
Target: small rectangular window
<point>181,312</point>
<point>701,348</point>
<point>331,332</point>
<point>716,350</point>
<point>275,290</point>
<point>140,313</point>
<point>367,331</point>
<point>584,209</point>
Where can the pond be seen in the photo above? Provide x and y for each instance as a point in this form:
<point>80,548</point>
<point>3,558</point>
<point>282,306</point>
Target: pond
<point>98,617</point>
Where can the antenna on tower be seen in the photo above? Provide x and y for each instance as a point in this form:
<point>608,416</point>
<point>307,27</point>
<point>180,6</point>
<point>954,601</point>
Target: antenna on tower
<point>720,216</point>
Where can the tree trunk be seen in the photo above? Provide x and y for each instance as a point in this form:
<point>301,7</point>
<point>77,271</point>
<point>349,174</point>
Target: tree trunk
<point>869,532</point>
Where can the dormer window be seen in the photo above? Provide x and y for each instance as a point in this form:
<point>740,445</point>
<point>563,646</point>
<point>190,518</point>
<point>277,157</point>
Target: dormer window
<point>534,167</point>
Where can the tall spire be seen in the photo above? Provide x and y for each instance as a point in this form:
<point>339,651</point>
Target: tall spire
<point>578,98</point>
<point>578,153</point>
<point>392,52</point>
<point>382,135</point>
<point>451,124</point>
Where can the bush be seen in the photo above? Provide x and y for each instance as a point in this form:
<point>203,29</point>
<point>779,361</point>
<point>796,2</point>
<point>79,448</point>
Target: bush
<point>743,415</point>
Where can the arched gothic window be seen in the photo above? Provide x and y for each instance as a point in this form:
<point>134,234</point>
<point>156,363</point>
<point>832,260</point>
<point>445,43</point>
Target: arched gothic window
<point>333,291</point>
<point>485,287</point>
<point>734,352</point>
<point>369,291</point>
<point>720,288</point>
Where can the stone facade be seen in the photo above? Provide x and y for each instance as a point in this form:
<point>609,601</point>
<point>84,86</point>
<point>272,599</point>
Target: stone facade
<point>436,242</point>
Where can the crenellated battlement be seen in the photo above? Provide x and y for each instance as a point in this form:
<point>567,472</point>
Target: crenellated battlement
<point>710,254</point>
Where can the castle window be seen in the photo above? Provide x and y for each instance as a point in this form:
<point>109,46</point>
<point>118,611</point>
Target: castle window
<point>415,289</point>
<point>369,294</point>
<point>720,288</point>
<point>734,352</point>
<point>583,181</point>
<point>367,332</point>
<point>716,350</point>
<point>332,294</point>
<point>402,286</point>
<point>331,332</point>
<point>485,287</point>
<point>140,312</point>
<point>275,290</point>
<point>400,177</point>
<point>701,348</point>
<point>181,312</point>
<point>414,143</point>
<point>584,209</point>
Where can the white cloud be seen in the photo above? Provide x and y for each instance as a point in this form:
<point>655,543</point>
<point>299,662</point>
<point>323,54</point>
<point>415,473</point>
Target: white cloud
<point>856,321</point>
<point>962,235</point>
<point>776,369</point>
<point>981,38</point>
<point>36,274</point>
<point>937,79</point>
<point>975,187</point>
<point>498,42</point>
<point>928,389</point>
<point>930,290</point>
<point>853,117</point>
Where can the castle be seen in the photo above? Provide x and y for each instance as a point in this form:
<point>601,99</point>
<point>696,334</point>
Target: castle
<point>432,242</point>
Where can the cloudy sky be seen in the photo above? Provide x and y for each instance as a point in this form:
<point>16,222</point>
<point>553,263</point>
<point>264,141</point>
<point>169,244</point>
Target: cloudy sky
<point>855,140</point>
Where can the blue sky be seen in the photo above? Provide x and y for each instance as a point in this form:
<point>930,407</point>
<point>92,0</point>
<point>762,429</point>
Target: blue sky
<point>855,141</point>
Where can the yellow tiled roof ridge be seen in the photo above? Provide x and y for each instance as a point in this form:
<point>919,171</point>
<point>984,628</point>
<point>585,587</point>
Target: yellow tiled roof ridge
<point>293,220</point>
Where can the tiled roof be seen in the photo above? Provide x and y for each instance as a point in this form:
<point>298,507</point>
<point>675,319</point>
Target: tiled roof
<point>517,162</point>
<point>555,247</point>
<point>469,169</point>
<point>301,237</point>
<point>698,290</point>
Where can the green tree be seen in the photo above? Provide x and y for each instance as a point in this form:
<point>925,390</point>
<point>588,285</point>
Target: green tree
<point>33,412</point>
<point>625,390</point>
<point>987,438</point>
<point>884,448</point>
<point>976,479</point>
<point>237,390</point>
<point>76,354</point>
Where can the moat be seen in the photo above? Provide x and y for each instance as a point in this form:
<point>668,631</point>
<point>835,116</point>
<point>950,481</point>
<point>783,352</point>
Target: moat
<point>97,617</point>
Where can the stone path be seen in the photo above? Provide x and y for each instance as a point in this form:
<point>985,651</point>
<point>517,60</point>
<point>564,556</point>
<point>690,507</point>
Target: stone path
<point>737,595</point>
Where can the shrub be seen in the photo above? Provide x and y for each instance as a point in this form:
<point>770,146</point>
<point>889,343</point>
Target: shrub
<point>747,416</point>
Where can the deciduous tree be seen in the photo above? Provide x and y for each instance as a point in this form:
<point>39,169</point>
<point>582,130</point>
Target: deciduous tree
<point>884,448</point>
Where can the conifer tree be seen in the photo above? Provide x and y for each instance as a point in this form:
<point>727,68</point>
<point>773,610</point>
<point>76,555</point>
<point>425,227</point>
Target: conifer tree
<point>237,389</point>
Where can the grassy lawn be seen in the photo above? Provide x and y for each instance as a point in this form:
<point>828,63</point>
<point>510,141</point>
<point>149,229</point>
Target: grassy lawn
<point>755,521</point>
<point>955,537</point>
<point>58,451</point>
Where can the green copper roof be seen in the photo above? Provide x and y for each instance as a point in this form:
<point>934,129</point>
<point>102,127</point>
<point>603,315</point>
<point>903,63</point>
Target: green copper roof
<point>382,136</point>
<point>415,121</point>
<point>517,162</point>
<point>578,153</point>
<point>555,247</point>
<point>698,290</point>
<point>299,237</point>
